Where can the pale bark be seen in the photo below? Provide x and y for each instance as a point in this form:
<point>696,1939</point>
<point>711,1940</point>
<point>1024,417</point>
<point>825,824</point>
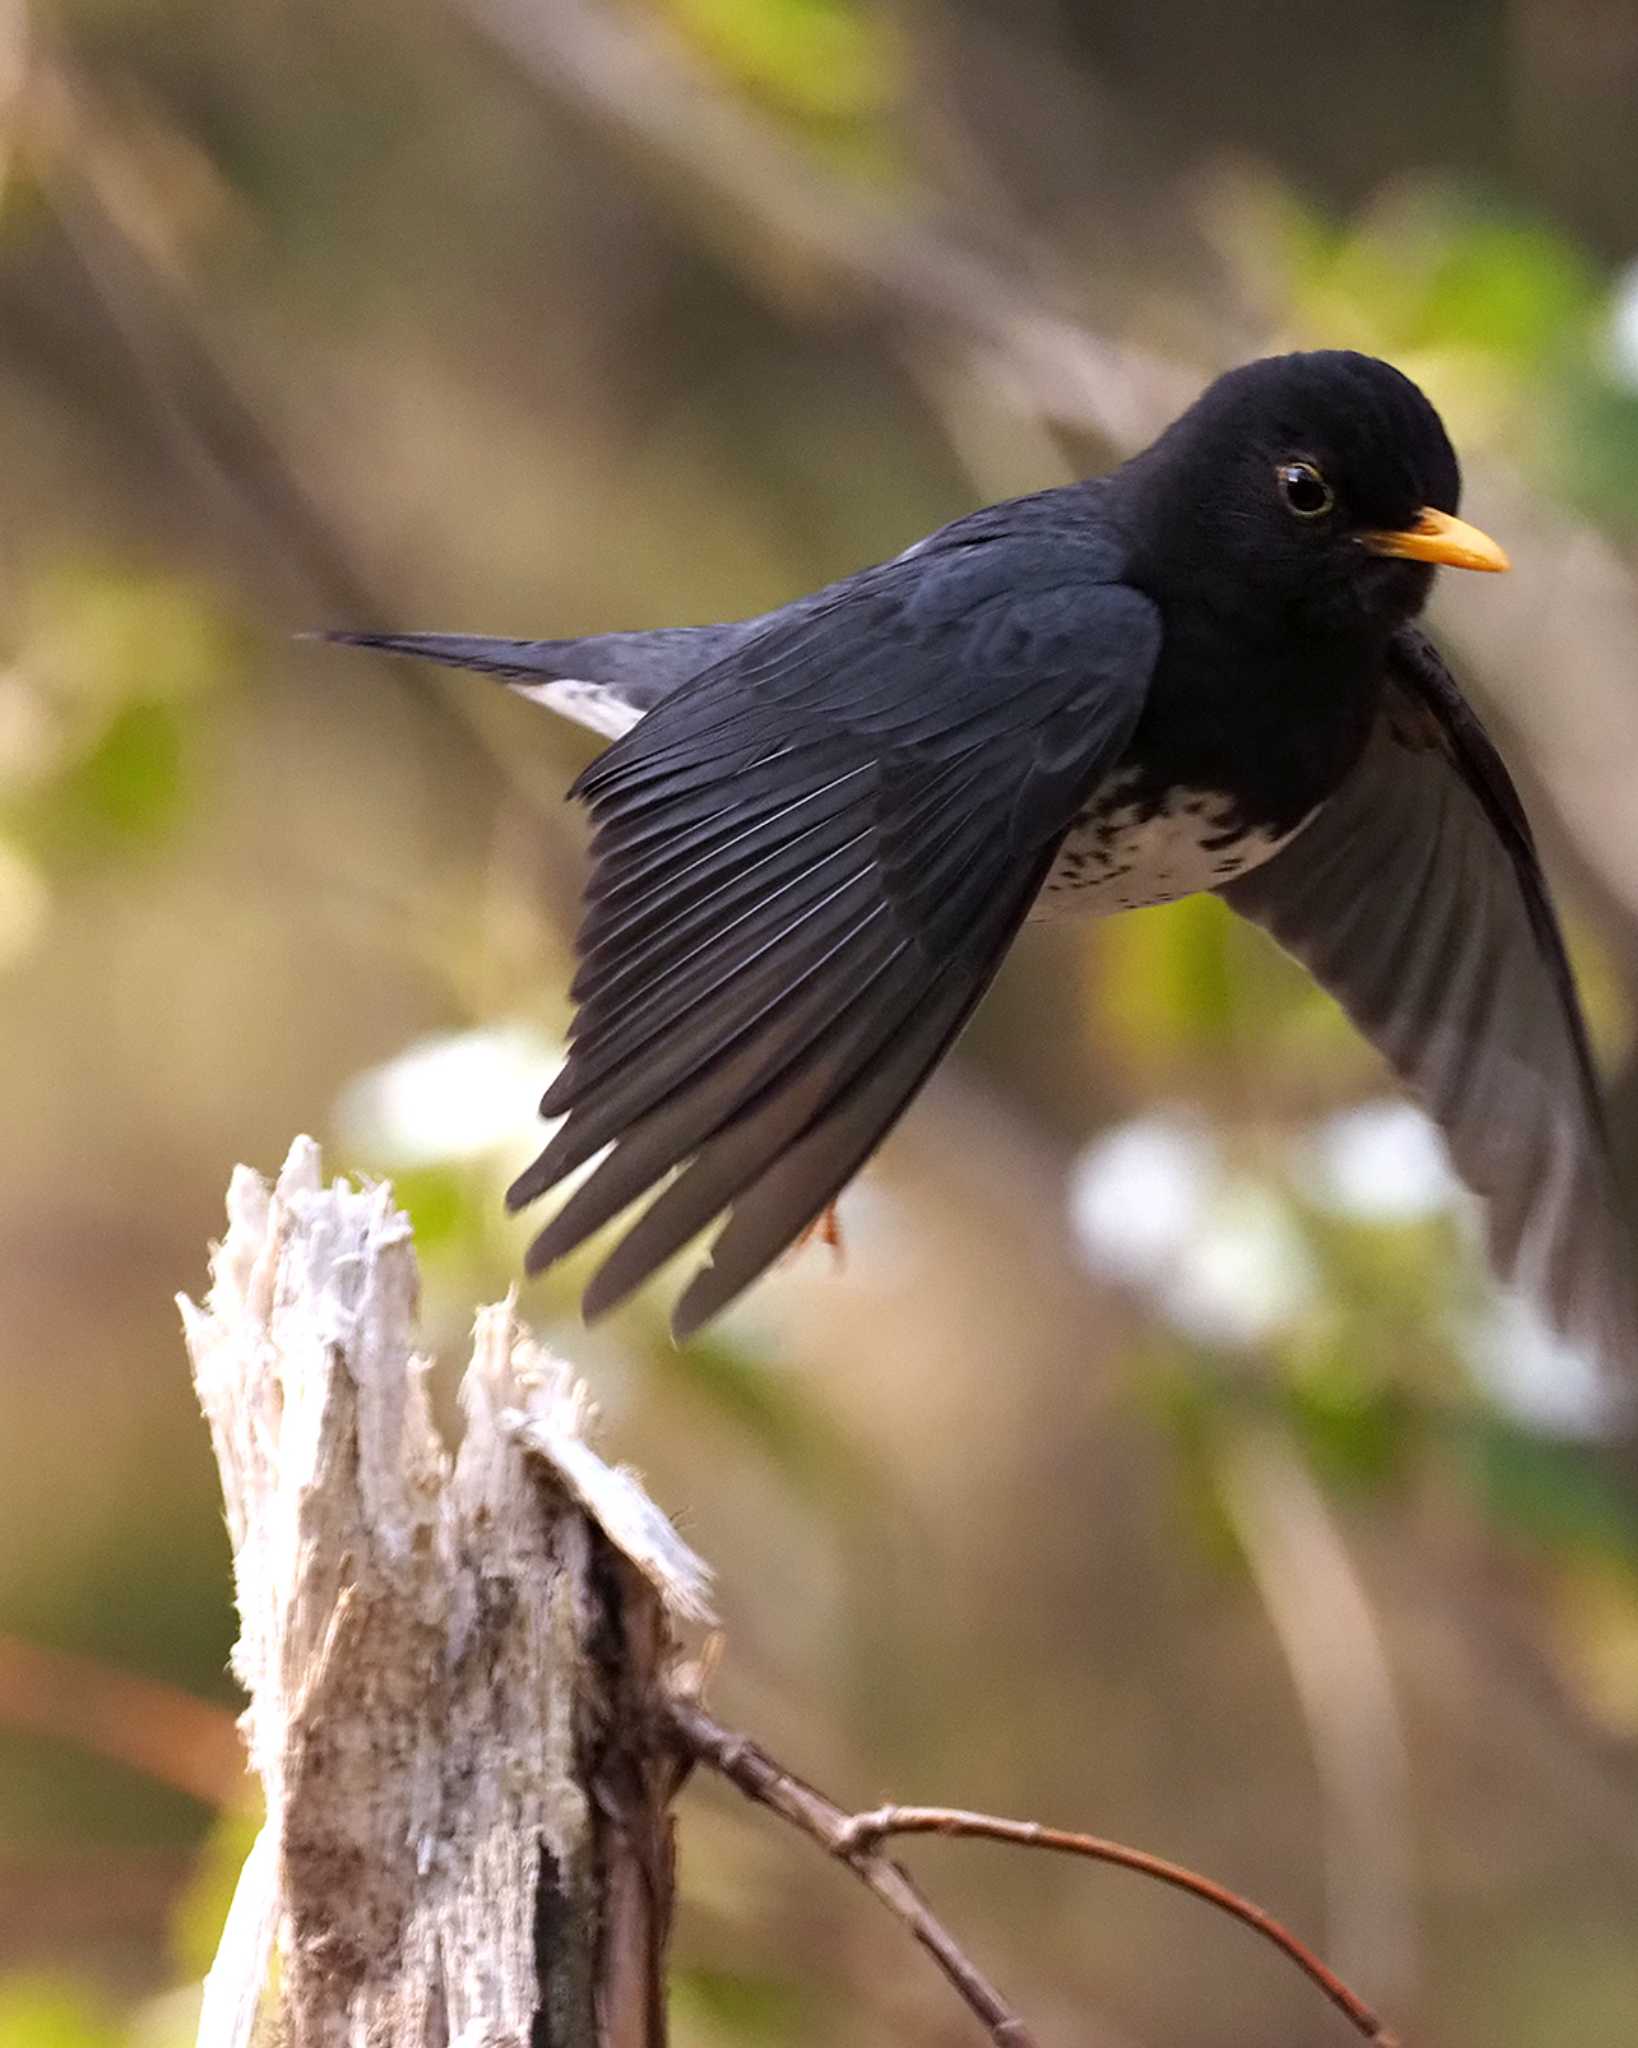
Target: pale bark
<point>455,1664</point>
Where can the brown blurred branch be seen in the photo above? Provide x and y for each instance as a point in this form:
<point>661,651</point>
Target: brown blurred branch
<point>139,1722</point>
<point>1327,1630</point>
<point>132,265</point>
<point>853,1838</point>
<point>819,234</point>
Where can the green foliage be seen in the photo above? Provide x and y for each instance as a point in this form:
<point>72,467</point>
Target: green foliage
<point>1191,1398</point>
<point>1168,988</point>
<point>1435,271</point>
<point>1183,991</point>
<point>710,2006</point>
<point>47,2012</point>
<point>1559,1496</point>
<point>452,1206</point>
<point>1595,454</point>
<point>829,60</point>
<point>106,688</point>
<point>127,787</point>
<point>109,634</point>
<point>196,1924</point>
<point>1356,1427</point>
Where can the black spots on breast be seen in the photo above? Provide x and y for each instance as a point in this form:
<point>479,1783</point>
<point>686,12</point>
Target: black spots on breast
<point>1140,842</point>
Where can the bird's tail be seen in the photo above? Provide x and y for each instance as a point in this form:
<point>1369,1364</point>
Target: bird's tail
<point>605,682</point>
<point>527,660</point>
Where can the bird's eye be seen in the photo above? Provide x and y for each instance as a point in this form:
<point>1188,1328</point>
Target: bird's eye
<point>1304,490</point>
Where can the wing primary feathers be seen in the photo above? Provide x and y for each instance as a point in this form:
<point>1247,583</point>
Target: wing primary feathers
<point>789,1068</point>
<point>808,1175</point>
<point>700,835</point>
<point>713,805</point>
<point>894,1027</point>
<point>686,848</point>
<point>807,867</point>
<point>667,926</point>
<point>1415,897</point>
<point>809,890</point>
<point>670,1003</point>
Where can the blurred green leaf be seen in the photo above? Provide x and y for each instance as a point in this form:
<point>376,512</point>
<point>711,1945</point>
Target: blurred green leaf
<point>1596,453</point>
<point>1511,287</point>
<point>1393,1285</point>
<point>105,633</point>
<point>1439,270</point>
<point>823,59</point>
<point>196,1925</point>
<point>1355,1428</point>
<point>1192,1400</point>
<point>129,787</point>
<point>43,2012</point>
<point>448,1206</point>
<point>1166,989</point>
<point>1560,1495</point>
<point>97,709</point>
<point>1181,988</point>
<point>713,2005</point>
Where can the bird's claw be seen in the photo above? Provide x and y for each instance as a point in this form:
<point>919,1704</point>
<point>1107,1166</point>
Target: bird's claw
<point>827,1228</point>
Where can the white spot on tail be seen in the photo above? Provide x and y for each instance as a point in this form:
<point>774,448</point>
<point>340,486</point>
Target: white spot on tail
<point>590,704</point>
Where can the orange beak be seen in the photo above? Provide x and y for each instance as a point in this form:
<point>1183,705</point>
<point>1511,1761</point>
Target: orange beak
<point>1443,538</point>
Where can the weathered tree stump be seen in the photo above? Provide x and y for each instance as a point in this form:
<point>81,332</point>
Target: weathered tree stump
<point>456,1665</point>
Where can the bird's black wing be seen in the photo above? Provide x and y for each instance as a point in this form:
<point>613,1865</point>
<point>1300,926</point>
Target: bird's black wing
<point>1416,897</point>
<point>808,863</point>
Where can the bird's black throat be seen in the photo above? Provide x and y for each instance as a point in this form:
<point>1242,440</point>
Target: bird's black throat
<point>1273,722</point>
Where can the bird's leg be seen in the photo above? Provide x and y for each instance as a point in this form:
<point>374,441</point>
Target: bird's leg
<point>827,1228</point>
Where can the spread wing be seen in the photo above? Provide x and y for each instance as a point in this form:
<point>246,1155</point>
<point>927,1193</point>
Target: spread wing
<point>808,863</point>
<point>1417,899</point>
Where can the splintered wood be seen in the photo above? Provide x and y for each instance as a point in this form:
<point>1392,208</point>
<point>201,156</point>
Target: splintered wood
<point>455,1665</point>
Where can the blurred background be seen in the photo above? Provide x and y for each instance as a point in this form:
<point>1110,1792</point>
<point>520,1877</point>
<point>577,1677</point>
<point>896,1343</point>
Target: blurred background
<point>1159,1462</point>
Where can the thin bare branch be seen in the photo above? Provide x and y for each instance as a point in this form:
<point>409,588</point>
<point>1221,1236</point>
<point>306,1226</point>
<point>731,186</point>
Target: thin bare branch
<point>749,1768</point>
<point>866,1829</point>
<point>854,1839</point>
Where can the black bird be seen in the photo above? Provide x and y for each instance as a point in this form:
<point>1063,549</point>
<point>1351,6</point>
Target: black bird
<point>817,832</point>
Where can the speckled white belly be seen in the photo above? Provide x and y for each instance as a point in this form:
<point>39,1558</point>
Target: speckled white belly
<point>1121,856</point>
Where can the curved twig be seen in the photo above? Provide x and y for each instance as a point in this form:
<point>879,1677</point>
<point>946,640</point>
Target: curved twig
<point>855,1840</point>
<point>866,1829</point>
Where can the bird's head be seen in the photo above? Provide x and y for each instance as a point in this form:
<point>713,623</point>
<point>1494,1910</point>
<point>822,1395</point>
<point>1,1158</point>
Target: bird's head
<point>1314,491</point>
